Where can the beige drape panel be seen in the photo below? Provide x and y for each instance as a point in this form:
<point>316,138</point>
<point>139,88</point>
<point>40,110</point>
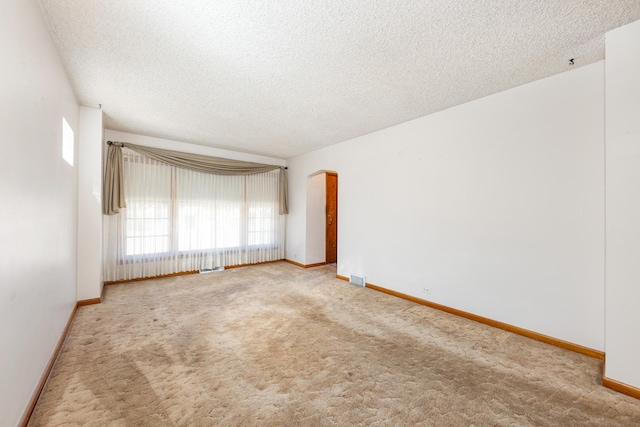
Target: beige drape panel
<point>113,193</point>
<point>195,162</point>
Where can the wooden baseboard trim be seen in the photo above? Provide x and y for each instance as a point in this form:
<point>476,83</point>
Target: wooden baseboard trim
<point>294,263</point>
<point>161,276</point>
<point>317,264</point>
<point>184,273</point>
<point>45,376</point>
<point>621,387</point>
<point>346,279</point>
<point>256,263</point>
<point>89,301</point>
<point>496,324</point>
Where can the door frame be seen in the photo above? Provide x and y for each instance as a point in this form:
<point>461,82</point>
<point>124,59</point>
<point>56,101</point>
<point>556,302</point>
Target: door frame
<point>335,218</point>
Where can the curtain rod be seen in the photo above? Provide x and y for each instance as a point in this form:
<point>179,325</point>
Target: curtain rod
<point>111,143</point>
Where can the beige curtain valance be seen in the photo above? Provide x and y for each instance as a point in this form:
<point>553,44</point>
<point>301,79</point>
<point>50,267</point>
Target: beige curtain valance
<point>113,194</point>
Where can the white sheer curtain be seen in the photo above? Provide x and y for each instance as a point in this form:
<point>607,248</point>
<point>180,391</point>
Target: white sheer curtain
<point>180,220</point>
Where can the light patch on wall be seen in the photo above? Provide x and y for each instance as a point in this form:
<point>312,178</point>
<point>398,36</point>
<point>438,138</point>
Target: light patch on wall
<point>67,142</point>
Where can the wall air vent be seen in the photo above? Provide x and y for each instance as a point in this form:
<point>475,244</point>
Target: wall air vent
<point>210,270</point>
<point>357,280</point>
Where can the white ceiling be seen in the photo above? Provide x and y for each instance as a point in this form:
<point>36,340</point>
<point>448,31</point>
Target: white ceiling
<point>280,78</point>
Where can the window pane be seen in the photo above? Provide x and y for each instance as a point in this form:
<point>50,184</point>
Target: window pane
<point>208,212</point>
<point>148,191</point>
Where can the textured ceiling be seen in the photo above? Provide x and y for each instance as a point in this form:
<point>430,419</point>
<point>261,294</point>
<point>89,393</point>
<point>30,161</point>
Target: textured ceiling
<point>285,77</point>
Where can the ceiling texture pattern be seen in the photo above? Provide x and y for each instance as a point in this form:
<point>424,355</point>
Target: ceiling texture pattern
<point>284,77</point>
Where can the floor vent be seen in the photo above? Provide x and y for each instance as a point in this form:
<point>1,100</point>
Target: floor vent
<point>357,280</point>
<point>211,270</point>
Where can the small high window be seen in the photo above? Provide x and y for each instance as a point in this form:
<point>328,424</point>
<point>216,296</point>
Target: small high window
<point>67,142</point>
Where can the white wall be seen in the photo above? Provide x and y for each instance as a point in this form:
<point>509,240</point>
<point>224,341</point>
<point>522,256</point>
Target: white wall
<point>623,204</point>
<point>496,206</point>
<point>112,135</point>
<point>90,149</point>
<point>39,202</point>
<point>316,214</point>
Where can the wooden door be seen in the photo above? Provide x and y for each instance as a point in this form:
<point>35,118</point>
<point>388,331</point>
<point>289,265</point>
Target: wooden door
<point>332,218</point>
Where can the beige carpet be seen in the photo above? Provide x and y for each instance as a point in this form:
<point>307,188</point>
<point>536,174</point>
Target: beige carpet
<point>277,345</point>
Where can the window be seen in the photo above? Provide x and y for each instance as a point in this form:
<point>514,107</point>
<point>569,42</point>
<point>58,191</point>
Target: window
<point>67,142</point>
<point>172,210</point>
<point>180,220</point>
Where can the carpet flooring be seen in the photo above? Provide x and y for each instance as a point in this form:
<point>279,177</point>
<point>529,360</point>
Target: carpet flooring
<point>278,345</point>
